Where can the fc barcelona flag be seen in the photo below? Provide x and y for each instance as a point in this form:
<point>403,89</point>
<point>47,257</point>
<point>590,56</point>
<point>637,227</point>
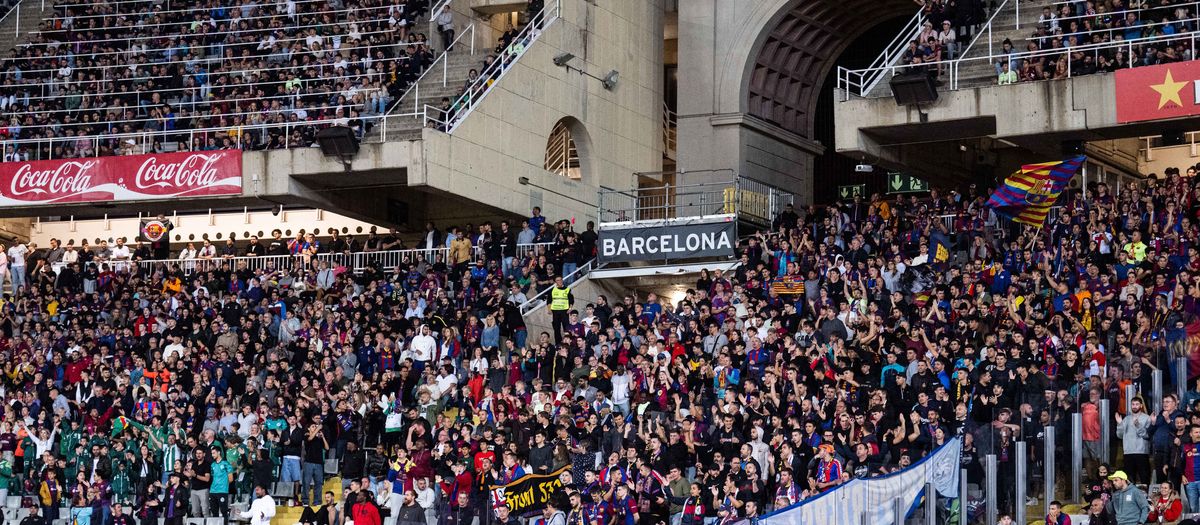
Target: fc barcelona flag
<point>788,285</point>
<point>1027,195</point>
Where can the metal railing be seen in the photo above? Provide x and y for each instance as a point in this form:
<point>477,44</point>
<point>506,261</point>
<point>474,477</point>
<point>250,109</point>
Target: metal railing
<point>670,131</point>
<point>17,10</point>
<point>872,75</point>
<point>950,220</point>
<point>491,75</point>
<point>415,88</point>
<point>246,136</point>
<point>438,7</point>
<point>744,197</point>
<point>353,261</point>
<point>539,299</point>
<point>953,67</point>
<point>191,265</point>
<point>987,29</point>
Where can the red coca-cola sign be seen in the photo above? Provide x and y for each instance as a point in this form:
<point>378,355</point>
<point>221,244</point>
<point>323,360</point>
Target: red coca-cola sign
<point>126,178</point>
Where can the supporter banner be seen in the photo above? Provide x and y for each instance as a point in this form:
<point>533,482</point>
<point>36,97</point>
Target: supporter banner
<point>153,230</point>
<point>123,178</point>
<point>531,493</point>
<point>876,497</point>
<point>668,241</point>
<point>1028,194</point>
<point>1158,92</point>
<point>788,285</point>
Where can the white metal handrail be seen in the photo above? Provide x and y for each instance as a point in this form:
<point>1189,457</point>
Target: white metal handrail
<point>14,9</point>
<point>670,131</point>
<point>438,7</point>
<point>353,261</point>
<point>494,72</point>
<point>539,299</point>
<point>214,22</point>
<point>1127,45</point>
<point>1137,11</point>
<point>895,49</point>
<point>1149,25</point>
<point>196,264</point>
<point>144,140</point>
<point>207,60</point>
<point>415,87</point>
<point>988,30</point>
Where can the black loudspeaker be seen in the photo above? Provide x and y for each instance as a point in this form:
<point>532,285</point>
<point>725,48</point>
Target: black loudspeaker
<point>1072,147</point>
<point>915,87</point>
<point>1173,138</point>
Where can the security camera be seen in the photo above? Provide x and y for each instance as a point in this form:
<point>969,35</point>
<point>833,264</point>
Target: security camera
<point>864,168</point>
<point>276,209</point>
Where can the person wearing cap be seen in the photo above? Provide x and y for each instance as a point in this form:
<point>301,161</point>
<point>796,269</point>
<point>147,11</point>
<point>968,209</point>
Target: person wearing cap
<point>828,473</point>
<point>1134,432</point>
<point>1128,503</point>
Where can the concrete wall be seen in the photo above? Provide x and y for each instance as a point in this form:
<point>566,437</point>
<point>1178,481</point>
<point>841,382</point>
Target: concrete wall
<point>1159,159</point>
<point>717,40</point>
<point>1026,109</point>
<point>504,138</point>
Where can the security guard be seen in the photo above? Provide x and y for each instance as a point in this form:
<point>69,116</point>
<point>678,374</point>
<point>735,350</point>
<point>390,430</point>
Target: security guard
<point>560,307</point>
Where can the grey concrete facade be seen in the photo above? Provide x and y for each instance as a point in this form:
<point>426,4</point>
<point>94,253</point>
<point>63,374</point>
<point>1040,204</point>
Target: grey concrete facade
<point>1030,118</point>
<point>618,133</point>
<point>749,75</point>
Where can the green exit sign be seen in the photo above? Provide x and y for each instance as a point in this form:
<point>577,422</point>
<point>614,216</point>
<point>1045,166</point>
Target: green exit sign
<point>851,191</point>
<point>903,183</point>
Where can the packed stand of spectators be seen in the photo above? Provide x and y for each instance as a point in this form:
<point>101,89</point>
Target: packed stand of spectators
<point>1070,25</point>
<point>123,69</point>
<point>737,398</point>
<point>1059,28</point>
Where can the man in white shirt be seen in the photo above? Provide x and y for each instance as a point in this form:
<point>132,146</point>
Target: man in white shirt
<point>262,509</point>
<point>121,255</point>
<point>422,348</point>
<point>16,263</point>
<point>426,499</point>
<point>174,349</point>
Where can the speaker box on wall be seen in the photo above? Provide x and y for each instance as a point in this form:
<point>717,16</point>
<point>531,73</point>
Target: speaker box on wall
<point>915,87</point>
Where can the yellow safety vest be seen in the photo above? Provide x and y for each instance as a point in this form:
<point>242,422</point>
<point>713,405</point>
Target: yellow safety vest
<point>559,298</point>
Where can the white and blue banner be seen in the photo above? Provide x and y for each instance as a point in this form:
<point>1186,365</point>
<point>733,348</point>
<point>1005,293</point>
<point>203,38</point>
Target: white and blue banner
<point>876,496</point>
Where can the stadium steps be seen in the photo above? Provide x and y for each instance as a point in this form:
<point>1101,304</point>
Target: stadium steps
<point>31,15</point>
<point>977,73</point>
<point>286,514</point>
<point>430,91</point>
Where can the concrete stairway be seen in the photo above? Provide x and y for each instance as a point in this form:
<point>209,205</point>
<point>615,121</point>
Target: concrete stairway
<point>976,73</point>
<point>289,515</point>
<point>455,69</point>
<point>26,21</point>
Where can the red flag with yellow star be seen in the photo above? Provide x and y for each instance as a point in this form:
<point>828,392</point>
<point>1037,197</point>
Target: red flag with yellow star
<point>1157,92</point>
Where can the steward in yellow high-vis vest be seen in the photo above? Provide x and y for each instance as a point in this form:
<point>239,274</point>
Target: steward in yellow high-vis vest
<point>560,307</point>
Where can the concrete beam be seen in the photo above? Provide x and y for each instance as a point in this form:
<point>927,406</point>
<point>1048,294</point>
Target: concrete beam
<point>1034,116</point>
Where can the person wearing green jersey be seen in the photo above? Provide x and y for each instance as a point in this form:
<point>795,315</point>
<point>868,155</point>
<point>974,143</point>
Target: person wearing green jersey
<point>6,474</point>
<point>218,493</point>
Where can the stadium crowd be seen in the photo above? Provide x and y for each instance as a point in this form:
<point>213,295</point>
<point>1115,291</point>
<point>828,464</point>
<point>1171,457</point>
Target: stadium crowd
<point>1056,47</point>
<point>853,340</point>
<point>139,76</point>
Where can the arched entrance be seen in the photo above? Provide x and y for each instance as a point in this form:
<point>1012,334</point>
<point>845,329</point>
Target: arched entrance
<point>748,90</point>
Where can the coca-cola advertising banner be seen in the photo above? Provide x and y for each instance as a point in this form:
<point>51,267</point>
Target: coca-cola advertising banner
<point>125,178</point>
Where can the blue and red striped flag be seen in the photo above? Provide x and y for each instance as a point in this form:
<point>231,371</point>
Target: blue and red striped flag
<point>1027,195</point>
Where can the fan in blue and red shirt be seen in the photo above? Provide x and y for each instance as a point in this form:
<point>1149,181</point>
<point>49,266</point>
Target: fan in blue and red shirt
<point>829,469</point>
<point>599,511</point>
